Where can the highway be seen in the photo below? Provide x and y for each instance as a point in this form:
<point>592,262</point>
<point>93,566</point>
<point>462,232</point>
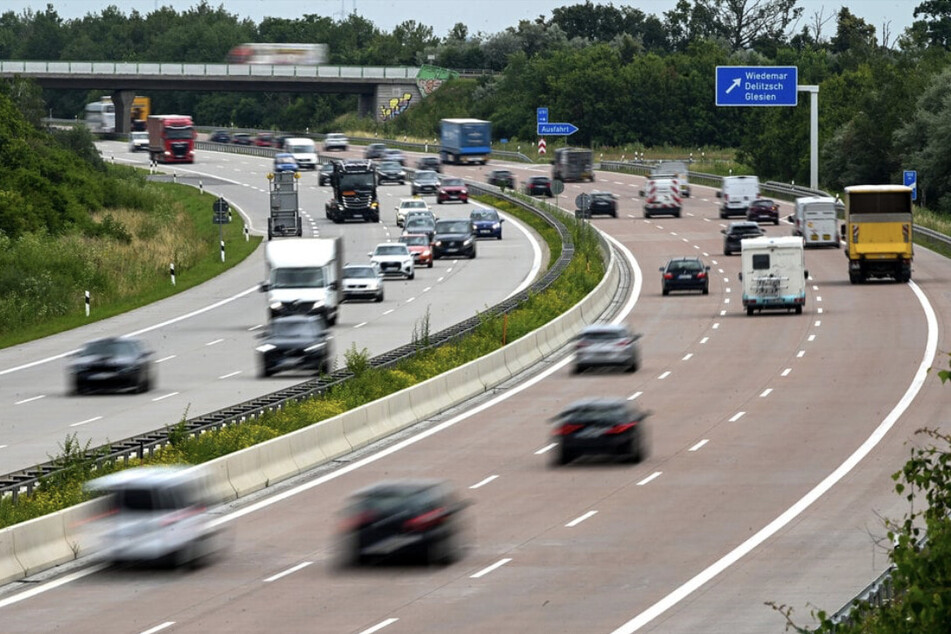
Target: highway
<point>772,444</point>
<point>204,338</point>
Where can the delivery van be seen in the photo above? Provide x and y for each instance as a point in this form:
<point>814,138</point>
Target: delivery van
<point>737,192</point>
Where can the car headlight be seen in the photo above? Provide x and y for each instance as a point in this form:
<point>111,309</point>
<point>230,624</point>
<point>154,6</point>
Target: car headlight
<point>426,253</point>
<point>277,305</point>
<point>318,305</point>
<point>467,241</point>
<point>438,243</point>
<point>374,205</point>
<point>495,225</point>
<point>267,347</point>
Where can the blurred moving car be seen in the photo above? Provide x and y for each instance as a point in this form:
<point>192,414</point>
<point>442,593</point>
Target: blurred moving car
<point>285,162</point>
<point>336,141</point>
<point>295,342</point>
<point>486,223</point>
<point>326,174</point>
<point>607,345</point>
<point>763,210</point>
<point>604,203</point>
<point>454,237</point>
<point>406,205</point>
<point>452,189</point>
<point>685,274</point>
<point>429,163</point>
<point>362,281</point>
<point>605,426</point>
<point>424,182</point>
<point>501,178</point>
<point>538,186</point>
<point>138,140</point>
<point>303,150</point>
<point>264,139</point>
<point>393,154</point>
<point>420,222</point>
<point>393,258</point>
<point>374,151</point>
<point>220,136</point>
<point>241,138</point>
<point>411,519</point>
<point>736,232</point>
<point>420,245</point>
<point>157,515</point>
<point>390,172</point>
<point>111,363</point>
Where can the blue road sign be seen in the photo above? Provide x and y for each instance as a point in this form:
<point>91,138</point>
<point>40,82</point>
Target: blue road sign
<point>757,85</point>
<point>911,180</point>
<point>542,114</point>
<point>556,129</point>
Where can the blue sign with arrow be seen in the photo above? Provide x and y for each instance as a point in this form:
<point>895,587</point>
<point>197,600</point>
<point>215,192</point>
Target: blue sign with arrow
<point>555,129</point>
<point>757,85</point>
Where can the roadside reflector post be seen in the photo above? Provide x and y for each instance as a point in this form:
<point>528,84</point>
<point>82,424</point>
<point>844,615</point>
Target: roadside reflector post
<point>87,303</point>
<point>171,270</point>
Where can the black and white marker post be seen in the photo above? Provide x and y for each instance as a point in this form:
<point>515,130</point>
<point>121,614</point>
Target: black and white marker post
<point>222,216</point>
<point>87,303</point>
<point>171,270</point>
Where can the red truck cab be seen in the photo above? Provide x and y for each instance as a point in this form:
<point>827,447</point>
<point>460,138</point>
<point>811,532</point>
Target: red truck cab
<point>171,138</point>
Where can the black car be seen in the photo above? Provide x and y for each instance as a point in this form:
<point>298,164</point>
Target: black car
<point>390,172</point>
<point>374,151</point>
<point>295,342</point>
<point>113,364</point>
<point>605,426</point>
<point>220,136</point>
<point>604,203</point>
<point>241,138</point>
<point>738,231</point>
<point>454,237</point>
<point>538,186</point>
<point>425,182</point>
<point>763,210</point>
<point>429,163</point>
<point>685,274</point>
<point>326,174</point>
<point>403,520</point>
<point>501,178</point>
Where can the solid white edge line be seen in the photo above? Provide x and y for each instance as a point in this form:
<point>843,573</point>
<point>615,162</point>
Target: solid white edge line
<point>580,519</point>
<point>52,585</point>
<point>88,420</point>
<point>289,571</point>
<point>488,569</point>
<point>164,396</point>
<point>483,482</point>
<point>379,626</point>
<point>818,491</point>
<point>30,400</point>
<point>159,628</point>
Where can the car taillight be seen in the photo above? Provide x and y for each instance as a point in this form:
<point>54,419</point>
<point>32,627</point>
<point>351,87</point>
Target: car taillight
<point>668,276</point>
<point>426,520</point>
<point>701,275</point>
<point>621,428</point>
<point>567,429</point>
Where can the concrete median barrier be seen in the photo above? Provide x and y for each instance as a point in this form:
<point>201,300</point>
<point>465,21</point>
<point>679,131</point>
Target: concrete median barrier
<point>466,383</point>
<point>522,353</point>
<point>244,470</point>
<point>10,568</point>
<point>277,459</point>
<point>431,396</point>
<point>492,369</point>
<point>219,486</point>
<point>356,427</point>
<point>306,449</point>
<point>331,439</point>
<point>41,543</point>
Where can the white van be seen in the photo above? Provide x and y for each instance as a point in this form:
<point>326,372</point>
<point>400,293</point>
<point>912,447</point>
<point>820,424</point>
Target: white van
<point>304,276</point>
<point>773,274</point>
<point>304,151</point>
<point>662,196</point>
<point>678,169</point>
<point>816,221</point>
<point>737,193</point>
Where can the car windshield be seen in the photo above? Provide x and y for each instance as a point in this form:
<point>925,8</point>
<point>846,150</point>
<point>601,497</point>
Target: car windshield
<point>684,265</point>
<point>293,328</point>
<point>391,249</point>
<point>484,214</point>
<point>539,180</point>
<point>306,277</point>
<point>594,413</point>
<point>327,167</point>
<point>390,165</point>
<point>109,348</point>
<point>602,196</point>
<point>426,177</point>
<point>359,271</point>
<point>452,182</point>
<point>452,226</point>
<point>357,181</point>
<point>604,335</point>
<point>416,241</point>
<point>746,230</point>
<point>501,174</point>
<point>414,204</point>
<point>301,148</point>
<point>419,224</point>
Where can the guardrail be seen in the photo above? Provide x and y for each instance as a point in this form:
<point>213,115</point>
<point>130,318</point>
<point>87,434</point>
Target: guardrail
<point>167,69</point>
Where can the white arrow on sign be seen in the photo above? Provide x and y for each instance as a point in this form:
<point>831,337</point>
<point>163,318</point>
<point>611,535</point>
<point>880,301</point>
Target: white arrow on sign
<point>735,84</point>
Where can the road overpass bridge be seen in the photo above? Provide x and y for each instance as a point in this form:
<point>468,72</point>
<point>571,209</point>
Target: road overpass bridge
<point>383,91</point>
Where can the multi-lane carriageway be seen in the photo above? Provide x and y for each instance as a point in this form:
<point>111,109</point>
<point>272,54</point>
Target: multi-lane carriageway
<point>772,444</point>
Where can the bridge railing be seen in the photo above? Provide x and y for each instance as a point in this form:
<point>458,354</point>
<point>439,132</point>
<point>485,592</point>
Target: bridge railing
<point>167,69</point>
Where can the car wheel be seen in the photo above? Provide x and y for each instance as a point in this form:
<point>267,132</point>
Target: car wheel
<point>798,310</point>
<point>326,367</point>
<point>438,201</point>
<point>264,370</point>
<point>499,237</point>
<point>706,290</point>
<point>562,456</point>
<point>430,265</point>
<point>577,369</point>
<point>727,252</point>
<point>665,291</point>
<point>379,297</point>
<point>411,276</point>
<point>776,222</point>
<point>749,311</point>
<point>472,255</point>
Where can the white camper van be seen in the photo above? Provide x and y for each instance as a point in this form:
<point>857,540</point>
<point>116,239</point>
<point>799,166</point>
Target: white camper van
<point>304,276</point>
<point>773,274</point>
<point>815,220</point>
<point>737,193</point>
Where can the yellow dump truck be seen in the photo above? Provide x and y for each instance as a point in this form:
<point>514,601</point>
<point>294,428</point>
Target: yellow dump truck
<point>878,232</point>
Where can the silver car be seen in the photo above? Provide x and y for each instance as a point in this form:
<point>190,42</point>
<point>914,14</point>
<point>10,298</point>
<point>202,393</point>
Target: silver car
<point>607,345</point>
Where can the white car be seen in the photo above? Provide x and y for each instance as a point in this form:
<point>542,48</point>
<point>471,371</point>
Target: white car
<point>407,205</point>
<point>138,140</point>
<point>335,141</point>
<point>362,281</point>
<point>393,258</point>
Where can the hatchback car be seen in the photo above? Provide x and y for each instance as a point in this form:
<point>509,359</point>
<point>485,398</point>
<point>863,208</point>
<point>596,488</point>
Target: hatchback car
<point>454,237</point>
<point>362,281</point>
<point>392,154</point>
<point>429,163</point>
<point>407,205</point>
<point>685,274</point>
<point>604,426</point>
<point>419,520</point>
<point>285,162</point>
<point>425,182</point>
<point>390,172</point>
<point>421,246</point>
<point>220,136</point>
<point>422,223</point>
<point>335,141</point>
<point>393,258</point>
<point>538,186</point>
<point>326,174</point>
<point>374,151</point>
<point>486,223</point>
<point>295,342</point>
<point>736,232</point>
<point>241,138</point>
<point>111,363</point>
<point>264,139</point>
<point>452,189</point>
<point>604,203</point>
<point>763,210</point>
<point>607,345</point>
<point>501,178</point>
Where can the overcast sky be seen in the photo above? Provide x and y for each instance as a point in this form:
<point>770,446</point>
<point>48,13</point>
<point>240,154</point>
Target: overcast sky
<point>487,16</point>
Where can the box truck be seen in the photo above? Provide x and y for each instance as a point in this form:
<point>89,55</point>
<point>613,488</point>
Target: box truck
<point>878,232</point>
<point>304,276</point>
<point>465,141</point>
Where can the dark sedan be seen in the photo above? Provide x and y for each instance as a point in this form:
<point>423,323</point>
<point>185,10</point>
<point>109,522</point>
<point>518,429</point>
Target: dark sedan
<point>429,163</point>
<point>454,237</point>
<point>390,172</point>
<point>425,182</point>
<point>393,154</point>
<point>486,223</point>
<point>736,232</point>
<point>415,520</point>
<point>763,210</point>
<point>326,174</point>
<point>420,223</point>
<point>295,342</point>
<point>604,203</point>
<point>241,138</point>
<point>538,186</point>
<point>112,363</point>
<point>374,151</point>
<point>220,136</point>
<point>605,426</point>
<point>501,178</point>
<point>685,274</point>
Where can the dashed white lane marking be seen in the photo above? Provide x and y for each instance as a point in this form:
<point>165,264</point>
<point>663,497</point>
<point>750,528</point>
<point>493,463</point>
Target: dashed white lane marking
<point>812,338</point>
<point>84,422</point>
<point>800,354</point>
<point>687,356</point>
<point>818,323</point>
<point>546,448</point>
<point>484,482</point>
<point>706,255</point>
<point>716,325</point>
<point>289,571</point>
<point>387,312</point>
<point>216,341</point>
<point>379,626</point>
<point>819,311</point>
<point>818,298</point>
<point>168,358</point>
<point>728,289</point>
<point>704,340</point>
<point>664,375</point>
<point>253,328</point>
<point>159,628</point>
<point>410,300</point>
<point>814,287</point>
<point>441,278</point>
<point>578,520</point>
<point>427,289</point>
<point>722,313</point>
<point>786,372</point>
<point>737,417</point>
<point>685,239</point>
<point>489,569</point>
<point>726,300</point>
<point>230,374</point>
<point>31,399</point>
<point>766,392</point>
<point>652,476</point>
<point>699,445</point>
<point>361,324</point>
<point>696,246</point>
<point>162,398</point>
<point>673,233</point>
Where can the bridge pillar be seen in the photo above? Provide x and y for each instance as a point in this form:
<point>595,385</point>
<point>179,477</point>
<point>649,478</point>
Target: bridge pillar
<point>391,100</point>
<point>122,100</point>
<point>365,104</point>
